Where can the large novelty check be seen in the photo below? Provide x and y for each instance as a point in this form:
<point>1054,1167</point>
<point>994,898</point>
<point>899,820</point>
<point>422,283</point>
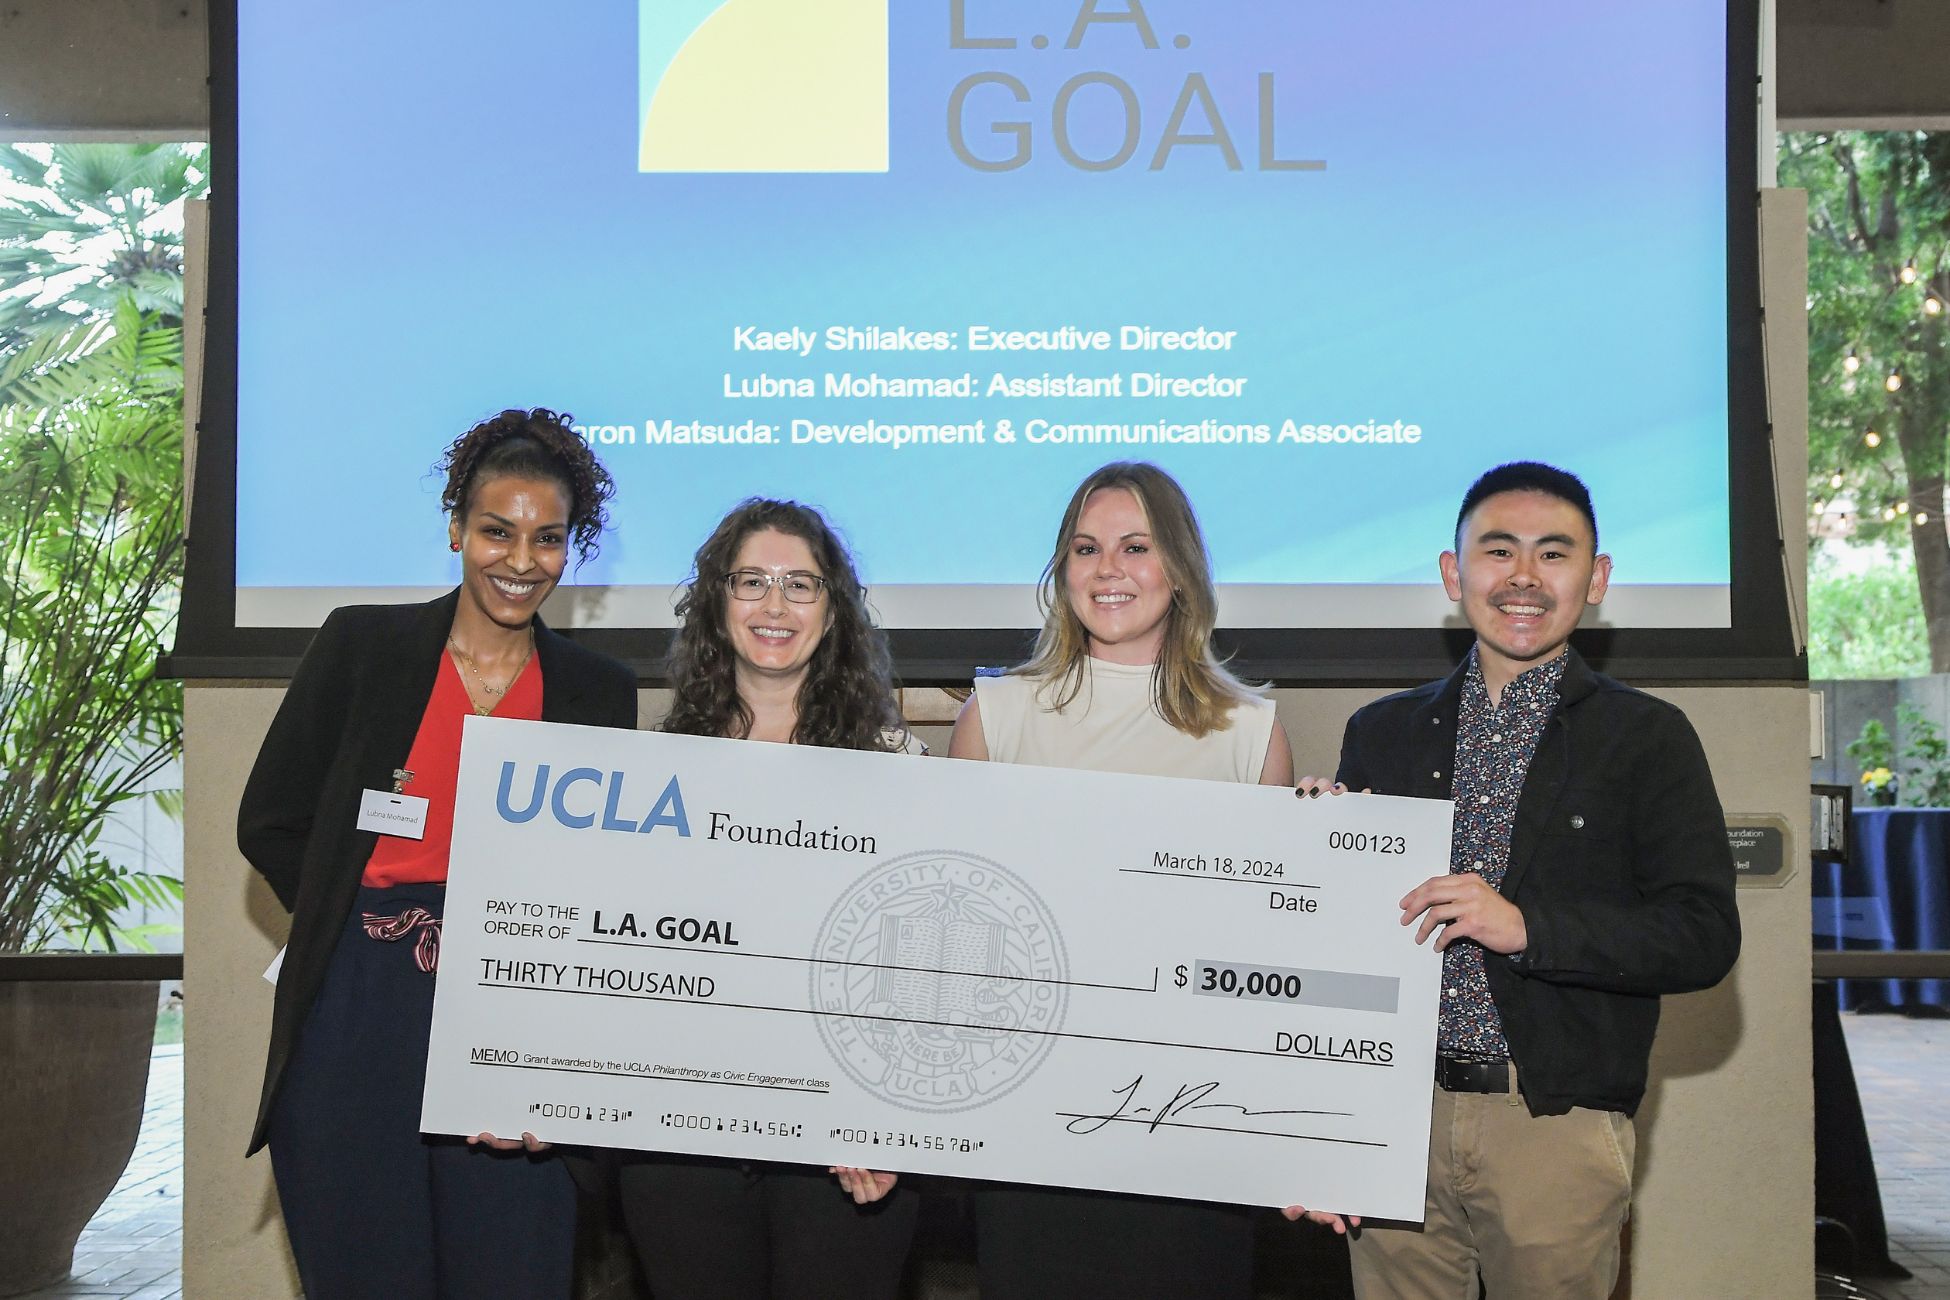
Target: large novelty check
<point>1182,988</point>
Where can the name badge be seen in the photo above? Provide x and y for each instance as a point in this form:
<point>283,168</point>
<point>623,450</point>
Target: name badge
<point>387,813</point>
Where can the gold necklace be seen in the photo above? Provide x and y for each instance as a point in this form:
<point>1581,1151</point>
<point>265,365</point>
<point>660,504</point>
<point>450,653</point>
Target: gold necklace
<point>467,662</point>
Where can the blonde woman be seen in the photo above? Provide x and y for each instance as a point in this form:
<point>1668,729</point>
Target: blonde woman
<point>1123,679</point>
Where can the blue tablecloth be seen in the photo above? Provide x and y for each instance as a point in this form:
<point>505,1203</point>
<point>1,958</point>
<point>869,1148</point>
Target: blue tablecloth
<point>1893,895</point>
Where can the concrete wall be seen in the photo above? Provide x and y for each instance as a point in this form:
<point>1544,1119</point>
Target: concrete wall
<point>1846,705</point>
<point>129,68</point>
<point>233,1240</point>
<point>1865,63</point>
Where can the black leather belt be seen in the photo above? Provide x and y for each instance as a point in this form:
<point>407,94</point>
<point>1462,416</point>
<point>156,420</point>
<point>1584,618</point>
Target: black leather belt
<point>1453,1074</point>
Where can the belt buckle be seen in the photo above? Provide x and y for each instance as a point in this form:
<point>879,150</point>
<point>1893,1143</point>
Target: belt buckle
<point>1455,1074</point>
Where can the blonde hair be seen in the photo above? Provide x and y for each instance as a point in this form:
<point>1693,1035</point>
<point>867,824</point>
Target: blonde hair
<point>1190,688</point>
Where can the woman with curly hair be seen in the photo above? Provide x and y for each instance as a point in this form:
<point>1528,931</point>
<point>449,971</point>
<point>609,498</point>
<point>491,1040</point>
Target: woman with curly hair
<point>1123,679</point>
<point>373,1206</point>
<point>776,644</point>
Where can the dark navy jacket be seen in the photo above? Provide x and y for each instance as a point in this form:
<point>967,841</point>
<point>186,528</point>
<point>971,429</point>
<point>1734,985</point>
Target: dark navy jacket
<point>1618,861</point>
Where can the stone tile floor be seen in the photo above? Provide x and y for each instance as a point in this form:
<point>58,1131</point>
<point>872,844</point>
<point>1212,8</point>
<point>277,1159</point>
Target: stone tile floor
<point>133,1248</point>
<point>1902,1068</point>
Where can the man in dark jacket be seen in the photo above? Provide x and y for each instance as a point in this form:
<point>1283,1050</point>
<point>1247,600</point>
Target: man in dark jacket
<point>1589,874</point>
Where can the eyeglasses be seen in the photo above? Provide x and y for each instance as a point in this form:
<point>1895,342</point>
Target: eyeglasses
<point>799,588</point>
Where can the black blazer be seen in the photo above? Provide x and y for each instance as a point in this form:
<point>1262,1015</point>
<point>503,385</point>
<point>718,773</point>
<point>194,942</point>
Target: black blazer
<point>347,721</point>
<point>1618,861</point>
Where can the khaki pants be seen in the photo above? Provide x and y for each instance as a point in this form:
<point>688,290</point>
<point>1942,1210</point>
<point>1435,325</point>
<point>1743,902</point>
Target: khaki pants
<point>1535,1203</point>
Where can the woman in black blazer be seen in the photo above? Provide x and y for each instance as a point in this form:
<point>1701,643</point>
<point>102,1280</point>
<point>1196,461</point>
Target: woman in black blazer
<point>372,1206</point>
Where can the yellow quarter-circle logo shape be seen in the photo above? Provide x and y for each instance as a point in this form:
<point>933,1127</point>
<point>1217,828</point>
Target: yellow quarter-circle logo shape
<point>763,85</point>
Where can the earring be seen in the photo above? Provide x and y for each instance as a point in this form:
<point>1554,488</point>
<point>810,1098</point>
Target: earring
<point>453,546</point>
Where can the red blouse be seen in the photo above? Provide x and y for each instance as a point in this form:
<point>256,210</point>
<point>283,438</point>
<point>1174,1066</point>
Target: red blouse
<point>435,765</point>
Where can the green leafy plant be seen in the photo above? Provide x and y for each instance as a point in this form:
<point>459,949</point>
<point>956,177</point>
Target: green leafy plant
<point>85,226</point>
<point>1920,769</point>
<point>1926,759</point>
<point>1874,750</point>
<point>90,570</point>
<point>1879,349</point>
<point>1874,747</point>
<point>1865,624</point>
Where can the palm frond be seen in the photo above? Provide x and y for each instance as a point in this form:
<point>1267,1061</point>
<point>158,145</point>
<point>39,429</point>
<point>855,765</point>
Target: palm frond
<point>90,466</point>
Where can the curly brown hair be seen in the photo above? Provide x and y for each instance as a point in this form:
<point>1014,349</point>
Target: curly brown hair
<point>531,444</point>
<point>847,700</point>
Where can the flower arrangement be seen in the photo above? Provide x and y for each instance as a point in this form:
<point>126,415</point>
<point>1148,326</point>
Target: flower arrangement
<point>1921,767</point>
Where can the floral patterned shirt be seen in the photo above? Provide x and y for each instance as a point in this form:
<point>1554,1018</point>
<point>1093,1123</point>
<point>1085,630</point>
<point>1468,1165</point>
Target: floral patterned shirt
<point>1494,744</point>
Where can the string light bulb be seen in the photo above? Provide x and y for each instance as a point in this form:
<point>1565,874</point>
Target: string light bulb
<point>1908,274</point>
<point>1821,507</point>
<point>1902,507</point>
<point>1872,439</point>
<point>1888,514</point>
<point>1835,480</point>
<point>1894,382</point>
<point>1933,306</point>
<point>1851,362</point>
<point>1920,518</point>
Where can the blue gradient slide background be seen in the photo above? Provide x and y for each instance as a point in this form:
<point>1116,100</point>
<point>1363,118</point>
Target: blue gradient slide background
<point>1517,243</point>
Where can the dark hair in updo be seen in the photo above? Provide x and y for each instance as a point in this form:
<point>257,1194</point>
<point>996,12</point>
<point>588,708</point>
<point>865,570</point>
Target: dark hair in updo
<point>847,700</point>
<point>531,444</point>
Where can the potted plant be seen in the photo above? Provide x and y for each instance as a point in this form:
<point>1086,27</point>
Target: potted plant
<point>1875,751</point>
<point>1919,774</point>
<point>1926,759</point>
<point>90,565</point>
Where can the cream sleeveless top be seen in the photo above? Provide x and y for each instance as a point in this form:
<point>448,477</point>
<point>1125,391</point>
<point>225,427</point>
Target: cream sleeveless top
<point>1113,726</point>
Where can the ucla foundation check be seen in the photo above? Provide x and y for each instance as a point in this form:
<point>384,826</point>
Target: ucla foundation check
<point>1180,988</point>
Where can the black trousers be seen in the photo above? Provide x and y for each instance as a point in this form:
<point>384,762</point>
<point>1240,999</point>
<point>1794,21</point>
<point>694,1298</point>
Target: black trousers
<point>717,1230</point>
<point>1034,1243</point>
<point>373,1207</point>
